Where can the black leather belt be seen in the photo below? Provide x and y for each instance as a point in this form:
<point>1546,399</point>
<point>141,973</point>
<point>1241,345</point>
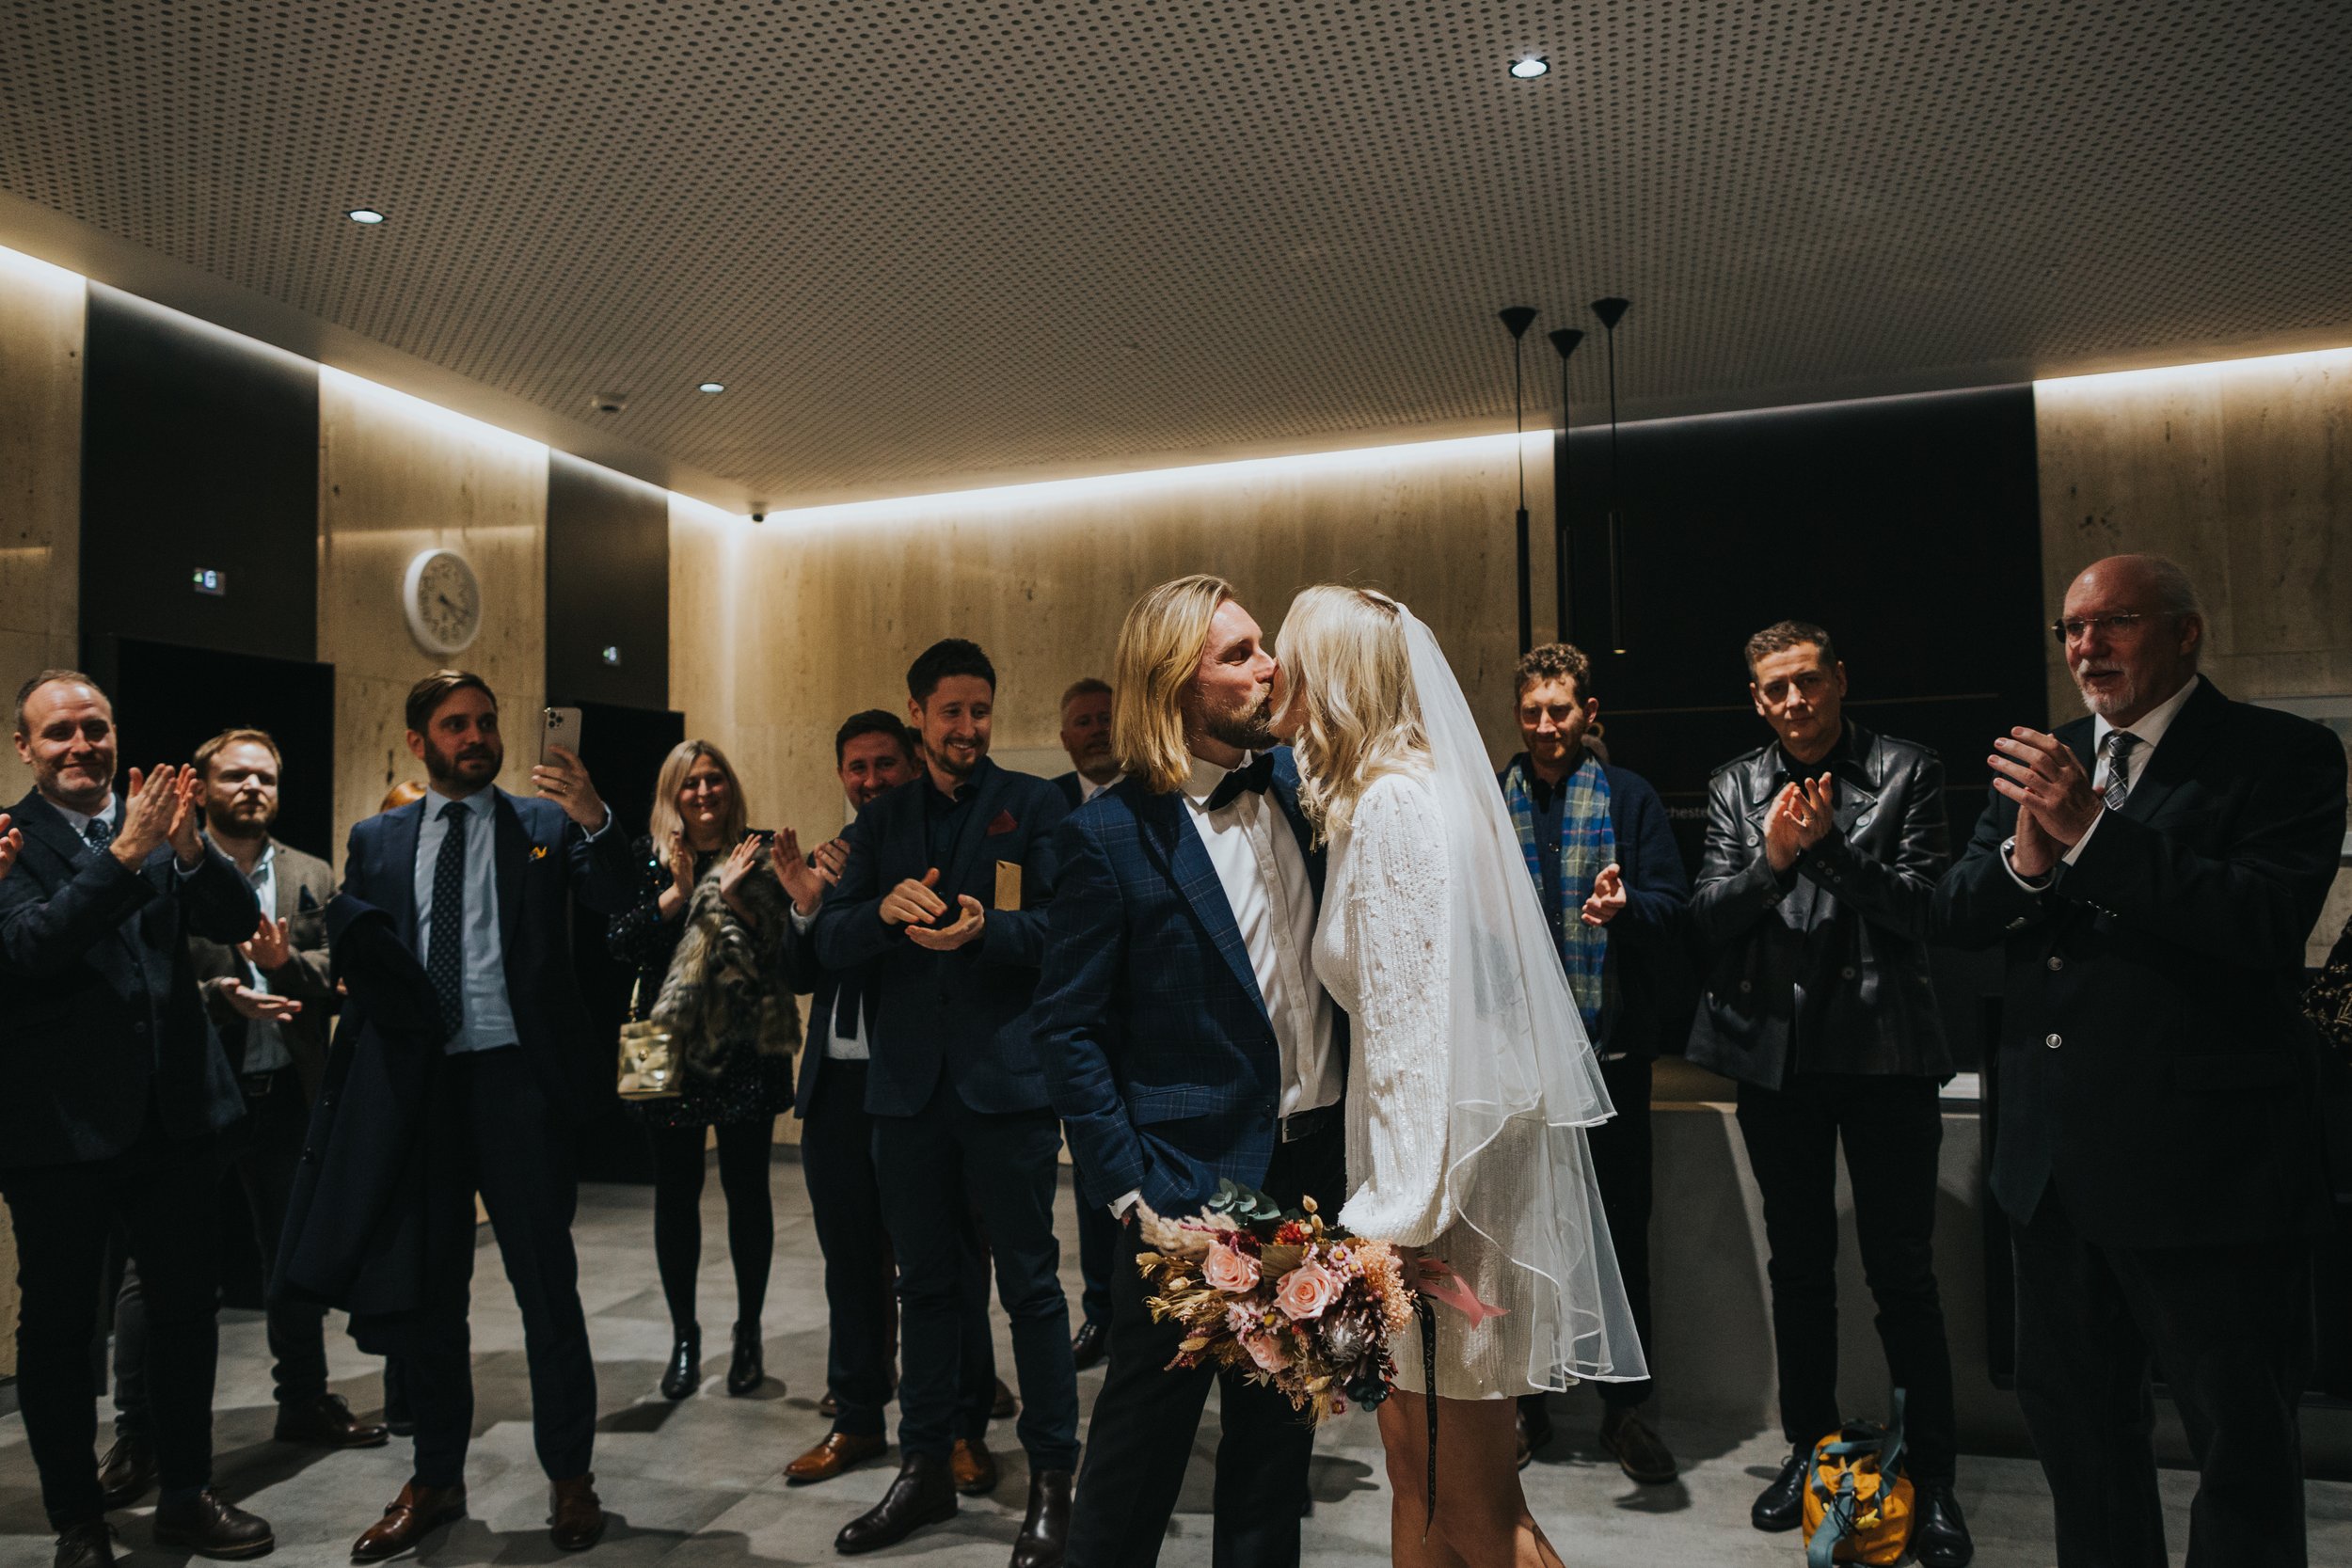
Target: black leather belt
<point>1306,1124</point>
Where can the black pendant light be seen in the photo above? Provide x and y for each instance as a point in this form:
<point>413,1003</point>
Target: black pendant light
<point>1612,311</point>
<point>1565,339</point>
<point>1518,318</point>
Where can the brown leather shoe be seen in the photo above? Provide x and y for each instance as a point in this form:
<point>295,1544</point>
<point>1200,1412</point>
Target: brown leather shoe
<point>972,1468</point>
<point>326,1422</point>
<point>210,1526</point>
<point>415,1513</point>
<point>1006,1405</point>
<point>575,1517</point>
<point>126,1470</point>
<point>839,1451</point>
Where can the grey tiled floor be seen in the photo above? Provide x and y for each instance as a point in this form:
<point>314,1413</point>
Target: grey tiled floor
<point>697,1483</point>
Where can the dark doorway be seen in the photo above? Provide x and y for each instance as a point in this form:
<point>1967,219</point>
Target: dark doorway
<point>622,748</point>
<point>169,699</point>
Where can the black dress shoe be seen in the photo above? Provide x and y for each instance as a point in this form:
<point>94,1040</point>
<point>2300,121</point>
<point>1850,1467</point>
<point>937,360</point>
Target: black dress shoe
<point>749,1369</point>
<point>127,1470</point>
<point>90,1544</point>
<point>326,1422</point>
<point>1005,1406</point>
<point>1089,1344</point>
<point>1641,1453</point>
<point>1045,1536</point>
<point>829,1407</point>
<point>210,1526</point>
<point>1939,1535</point>
<point>1782,1505</point>
<point>922,1495</point>
<point>686,1366</point>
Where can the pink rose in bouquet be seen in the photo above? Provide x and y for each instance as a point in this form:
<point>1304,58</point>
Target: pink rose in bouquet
<point>1307,1291</point>
<point>1267,1351</point>
<point>1229,1269</point>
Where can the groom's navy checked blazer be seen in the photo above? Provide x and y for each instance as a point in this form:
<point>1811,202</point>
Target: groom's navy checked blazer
<point>1154,1039</point>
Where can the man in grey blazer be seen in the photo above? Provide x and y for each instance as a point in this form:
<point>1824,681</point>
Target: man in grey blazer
<point>271,999</point>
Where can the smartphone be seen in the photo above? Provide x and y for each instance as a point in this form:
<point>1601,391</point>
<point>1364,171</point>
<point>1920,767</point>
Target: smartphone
<point>559,726</point>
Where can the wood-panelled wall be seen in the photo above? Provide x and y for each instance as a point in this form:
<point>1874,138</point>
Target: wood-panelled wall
<point>780,630</point>
<point>395,476</point>
<point>40,532</point>
<point>2242,471</point>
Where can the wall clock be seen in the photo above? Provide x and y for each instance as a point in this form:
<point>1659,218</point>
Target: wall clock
<point>442,600</point>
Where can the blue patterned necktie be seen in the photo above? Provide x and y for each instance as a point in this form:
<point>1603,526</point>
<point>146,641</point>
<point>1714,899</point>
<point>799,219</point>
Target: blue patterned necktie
<point>446,963</point>
<point>98,832</point>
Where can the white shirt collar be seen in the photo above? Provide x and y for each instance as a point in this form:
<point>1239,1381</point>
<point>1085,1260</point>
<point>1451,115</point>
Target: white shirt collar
<point>1089,789</point>
<point>80,821</point>
<point>2153,724</point>
<point>434,800</point>
<point>1205,776</point>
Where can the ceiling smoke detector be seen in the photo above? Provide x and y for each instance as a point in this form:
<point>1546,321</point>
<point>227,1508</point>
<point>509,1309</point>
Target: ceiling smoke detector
<point>609,403</point>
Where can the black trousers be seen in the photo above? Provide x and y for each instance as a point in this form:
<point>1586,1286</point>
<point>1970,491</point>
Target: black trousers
<point>746,1155</point>
<point>1098,1247</point>
<point>1621,1160</point>
<point>2230,1330</point>
<point>263,1151</point>
<point>160,1195</point>
<point>1891,1129</point>
<point>935,1168</point>
<point>860,1275</point>
<point>1140,1439</point>
<point>491,1127</point>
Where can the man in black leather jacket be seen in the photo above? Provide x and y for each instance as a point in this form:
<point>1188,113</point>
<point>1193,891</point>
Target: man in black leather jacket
<point>1811,913</point>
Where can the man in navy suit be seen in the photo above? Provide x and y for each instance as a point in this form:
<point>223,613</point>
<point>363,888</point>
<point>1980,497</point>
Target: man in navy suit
<point>479,883</point>
<point>944,892</point>
<point>1189,1042</point>
<point>116,1095</point>
<point>872,753</point>
<point>1086,735</point>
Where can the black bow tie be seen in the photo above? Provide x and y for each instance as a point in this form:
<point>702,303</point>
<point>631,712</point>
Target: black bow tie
<point>1256,776</point>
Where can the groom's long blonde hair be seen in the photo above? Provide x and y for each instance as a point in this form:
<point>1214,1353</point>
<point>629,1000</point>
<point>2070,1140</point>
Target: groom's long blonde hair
<point>1157,658</point>
<point>1346,656</point>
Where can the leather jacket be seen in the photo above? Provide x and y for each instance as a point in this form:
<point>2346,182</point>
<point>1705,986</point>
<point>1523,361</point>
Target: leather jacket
<point>1822,968</point>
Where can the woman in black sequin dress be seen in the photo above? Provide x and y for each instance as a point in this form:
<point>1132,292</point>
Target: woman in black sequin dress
<point>698,822</point>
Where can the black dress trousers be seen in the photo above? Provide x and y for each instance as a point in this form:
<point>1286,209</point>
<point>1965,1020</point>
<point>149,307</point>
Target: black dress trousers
<point>1140,1439</point>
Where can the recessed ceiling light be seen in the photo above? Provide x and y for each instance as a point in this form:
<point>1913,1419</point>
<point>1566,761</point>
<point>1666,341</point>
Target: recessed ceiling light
<point>1528,66</point>
<point>711,386</point>
<point>364,214</point>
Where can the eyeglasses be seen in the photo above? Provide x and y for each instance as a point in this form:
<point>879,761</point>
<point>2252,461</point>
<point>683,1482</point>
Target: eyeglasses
<point>2074,628</point>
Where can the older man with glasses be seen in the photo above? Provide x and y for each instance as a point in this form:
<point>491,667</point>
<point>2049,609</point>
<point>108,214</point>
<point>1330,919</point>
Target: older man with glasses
<point>2154,870</point>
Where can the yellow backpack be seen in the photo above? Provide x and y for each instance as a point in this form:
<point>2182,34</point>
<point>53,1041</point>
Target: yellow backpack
<point>1858,1504</point>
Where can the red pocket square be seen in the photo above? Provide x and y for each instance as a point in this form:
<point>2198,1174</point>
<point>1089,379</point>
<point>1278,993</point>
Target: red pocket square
<point>1001,823</point>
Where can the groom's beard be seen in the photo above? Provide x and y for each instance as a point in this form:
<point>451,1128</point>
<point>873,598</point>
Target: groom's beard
<point>1250,730</point>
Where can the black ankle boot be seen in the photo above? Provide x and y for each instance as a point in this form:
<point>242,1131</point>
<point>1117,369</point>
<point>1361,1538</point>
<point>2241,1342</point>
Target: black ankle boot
<point>749,1369</point>
<point>686,1365</point>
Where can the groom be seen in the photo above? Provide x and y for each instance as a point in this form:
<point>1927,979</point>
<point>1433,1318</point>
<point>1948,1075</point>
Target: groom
<point>1187,1041</point>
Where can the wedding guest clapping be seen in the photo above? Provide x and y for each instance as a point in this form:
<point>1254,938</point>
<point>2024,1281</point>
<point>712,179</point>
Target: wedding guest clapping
<point>1610,882</point>
<point>118,1095</point>
<point>2153,871</point>
<point>717,959</point>
<point>1812,910</point>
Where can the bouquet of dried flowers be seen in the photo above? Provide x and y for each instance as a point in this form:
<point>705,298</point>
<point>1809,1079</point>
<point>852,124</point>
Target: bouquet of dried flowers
<point>1291,1299</point>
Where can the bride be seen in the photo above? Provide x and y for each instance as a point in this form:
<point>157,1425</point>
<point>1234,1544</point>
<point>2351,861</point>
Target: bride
<point>1471,1080</point>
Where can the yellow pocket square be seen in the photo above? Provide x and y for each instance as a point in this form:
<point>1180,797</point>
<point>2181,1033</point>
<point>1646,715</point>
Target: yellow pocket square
<point>538,851</point>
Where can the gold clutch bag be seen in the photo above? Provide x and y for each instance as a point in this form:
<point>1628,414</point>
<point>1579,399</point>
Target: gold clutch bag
<point>648,1065</point>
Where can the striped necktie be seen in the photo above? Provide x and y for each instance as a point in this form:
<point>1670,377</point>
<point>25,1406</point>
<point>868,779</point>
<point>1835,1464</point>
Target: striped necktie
<point>2118,747</point>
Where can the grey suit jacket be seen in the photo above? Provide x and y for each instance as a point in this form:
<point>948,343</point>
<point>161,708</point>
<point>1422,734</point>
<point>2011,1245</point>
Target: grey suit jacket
<point>305,883</point>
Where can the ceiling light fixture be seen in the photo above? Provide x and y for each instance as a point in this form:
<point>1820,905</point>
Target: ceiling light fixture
<point>1518,318</point>
<point>364,214</point>
<point>1528,66</point>
<point>711,386</point>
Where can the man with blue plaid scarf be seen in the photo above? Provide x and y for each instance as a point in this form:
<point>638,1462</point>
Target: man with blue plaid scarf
<point>1612,884</point>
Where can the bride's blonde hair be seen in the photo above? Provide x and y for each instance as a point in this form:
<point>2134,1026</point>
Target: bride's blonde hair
<point>1344,652</point>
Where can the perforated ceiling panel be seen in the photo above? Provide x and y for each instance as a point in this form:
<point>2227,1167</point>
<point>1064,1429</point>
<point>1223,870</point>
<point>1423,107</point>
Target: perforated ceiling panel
<point>919,240</point>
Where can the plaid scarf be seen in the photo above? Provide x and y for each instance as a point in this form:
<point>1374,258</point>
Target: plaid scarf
<point>1588,841</point>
